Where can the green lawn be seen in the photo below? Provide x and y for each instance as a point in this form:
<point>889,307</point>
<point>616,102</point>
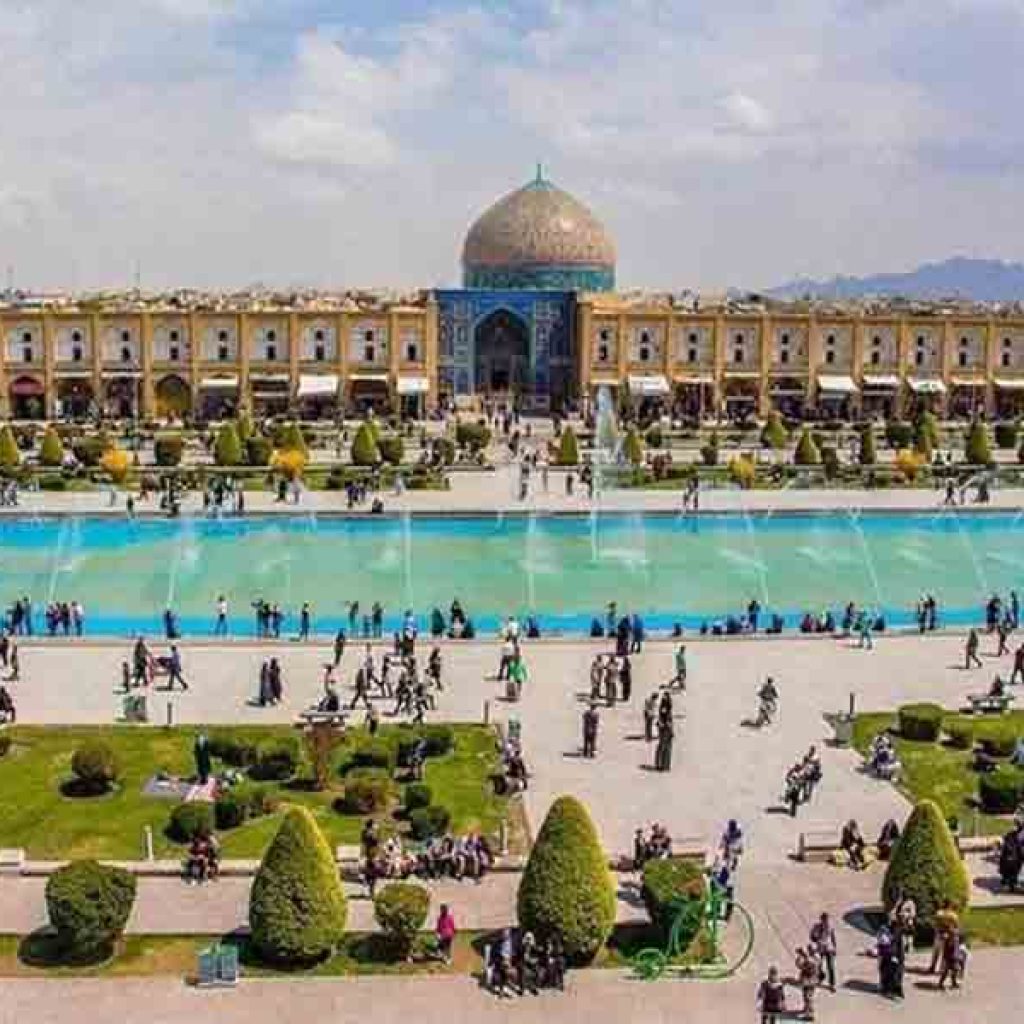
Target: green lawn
<point>36,816</point>
<point>937,771</point>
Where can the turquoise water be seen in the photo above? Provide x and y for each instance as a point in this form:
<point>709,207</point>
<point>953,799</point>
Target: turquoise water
<point>563,569</point>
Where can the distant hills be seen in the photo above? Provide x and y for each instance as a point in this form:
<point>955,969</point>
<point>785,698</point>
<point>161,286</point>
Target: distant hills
<point>982,280</point>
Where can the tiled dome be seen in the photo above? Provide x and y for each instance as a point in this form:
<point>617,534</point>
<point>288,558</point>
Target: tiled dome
<point>539,236</point>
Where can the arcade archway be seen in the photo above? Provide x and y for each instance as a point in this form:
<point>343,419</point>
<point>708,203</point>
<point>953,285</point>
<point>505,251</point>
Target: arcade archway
<point>502,354</point>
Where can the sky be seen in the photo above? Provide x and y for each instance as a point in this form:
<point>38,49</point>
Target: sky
<point>742,143</point>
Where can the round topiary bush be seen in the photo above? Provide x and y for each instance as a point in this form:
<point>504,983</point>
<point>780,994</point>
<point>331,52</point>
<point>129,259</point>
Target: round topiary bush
<point>89,905</point>
<point>1006,433</point>
<point>227,449</point>
<point>997,739</point>
<point>258,450</point>
<point>920,722</point>
<point>367,791</point>
<point>418,795</point>
<point>926,866</point>
<point>567,889</point>
<point>960,734</point>
<point>429,822</point>
<point>277,760</point>
<point>95,767</point>
<point>51,450</point>
<point>439,739</point>
<point>392,449</point>
<point>168,449</point>
<point>230,809</point>
<point>196,818</point>
<point>568,448</point>
<point>666,882</point>
<point>1001,790</point>
<point>297,907</point>
<point>372,754</point>
<point>233,749</point>
<point>401,910</point>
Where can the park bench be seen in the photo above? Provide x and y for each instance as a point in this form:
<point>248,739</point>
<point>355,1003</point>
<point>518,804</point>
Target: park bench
<point>313,716</point>
<point>982,703</point>
<point>817,844</point>
<point>12,860</point>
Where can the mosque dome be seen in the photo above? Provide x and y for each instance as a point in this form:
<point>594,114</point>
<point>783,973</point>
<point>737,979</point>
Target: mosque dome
<point>539,237</point>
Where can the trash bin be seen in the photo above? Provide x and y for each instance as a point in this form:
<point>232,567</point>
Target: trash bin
<point>843,726</point>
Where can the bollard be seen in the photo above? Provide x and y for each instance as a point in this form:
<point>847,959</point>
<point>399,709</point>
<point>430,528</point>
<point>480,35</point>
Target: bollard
<point>170,713</point>
<point>487,712</point>
<point>148,834</point>
<point>503,838</point>
<point>853,704</point>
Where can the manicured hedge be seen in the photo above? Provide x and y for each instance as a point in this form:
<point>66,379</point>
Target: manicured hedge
<point>95,767</point>
<point>367,790</point>
<point>666,882</point>
<point>1001,790</point>
<point>401,910</point>
<point>232,750</point>
<point>920,722</point>
<point>373,754</point>
<point>89,905</point>
<point>168,449</point>
<point>195,818</point>
<point>429,822</point>
<point>277,760</point>
<point>961,734</point>
<point>418,795</point>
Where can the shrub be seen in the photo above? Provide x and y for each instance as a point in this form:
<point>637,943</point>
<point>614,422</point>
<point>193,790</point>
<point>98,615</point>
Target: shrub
<point>568,448</point>
<point>665,882</point>
<point>977,451</point>
<point>633,447</point>
<point>773,435</point>
<point>232,749</point>
<point>10,457</point>
<point>89,450</point>
<point>115,462</point>
<point>51,451</point>
<point>373,754</point>
<point>195,818</point>
<point>418,795</point>
<point>709,452</point>
<point>227,449</point>
<point>866,454</point>
<point>1006,433</point>
<point>366,792</point>
<point>277,760</point>
<point>52,482</point>
<point>926,434</point>
<point>807,453</point>
<point>444,448</point>
<point>909,464</point>
<point>290,463</point>
<point>898,434</point>
<point>830,462</point>
<point>400,909</point>
<point>1001,790</point>
<point>88,905</point>
<point>567,889</point>
<point>1020,453</point>
<point>230,809</point>
<point>297,906</point>
<point>5,744</point>
<point>654,437</point>
<point>392,449</point>
<point>168,449</point>
<point>429,822</point>
<point>440,740</point>
<point>243,427</point>
<point>920,722</point>
<point>292,440</point>
<point>258,450</point>
<point>997,739</point>
<point>259,800</point>
<point>95,767</point>
<point>742,471</point>
<point>961,734</point>
<point>926,867</point>
<point>364,446</point>
<point>474,436</point>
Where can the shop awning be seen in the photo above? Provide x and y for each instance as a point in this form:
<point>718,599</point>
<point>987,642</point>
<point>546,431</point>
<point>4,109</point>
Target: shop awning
<point>968,382</point>
<point>269,384</point>
<point>695,378</point>
<point>369,378</point>
<point>318,385</point>
<point>1009,383</point>
<point>837,384</point>
<point>881,381</point>
<point>27,387</point>
<point>227,383</point>
<point>123,374</point>
<point>648,386</point>
<point>742,374</point>
<point>927,386</point>
<point>73,374</point>
<point>413,385</point>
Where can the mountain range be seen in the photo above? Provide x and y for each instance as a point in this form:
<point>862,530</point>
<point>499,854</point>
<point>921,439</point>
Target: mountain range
<point>959,277</point>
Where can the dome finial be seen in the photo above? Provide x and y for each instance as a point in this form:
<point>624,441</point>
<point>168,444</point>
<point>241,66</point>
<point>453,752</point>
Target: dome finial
<point>540,174</point>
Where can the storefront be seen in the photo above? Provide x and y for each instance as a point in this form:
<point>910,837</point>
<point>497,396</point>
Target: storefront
<point>967,397</point>
<point>788,396</point>
<point>218,397</point>
<point>271,394</point>
<point>880,397</point>
<point>173,397</point>
<point>741,397</point>
<point>927,394</point>
<point>369,392</point>
<point>317,396</point>
<point>694,397</point>
<point>121,395</point>
<point>75,397</point>
<point>1009,397</point>
<point>27,396</point>
<point>648,394</point>
<point>836,396</point>
<point>412,396</point>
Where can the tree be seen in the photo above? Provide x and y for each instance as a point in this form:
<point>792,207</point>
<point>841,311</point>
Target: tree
<point>89,905</point>
<point>400,909</point>
<point>567,889</point>
<point>633,447</point>
<point>568,448</point>
<point>926,866</point>
<point>292,440</point>
<point>807,453</point>
<point>364,446</point>
<point>51,451</point>
<point>244,427</point>
<point>10,457</point>
<point>926,434</point>
<point>977,451</point>
<point>867,455</point>
<point>115,462</point>
<point>773,435</point>
<point>297,906</point>
<point>227,449</point>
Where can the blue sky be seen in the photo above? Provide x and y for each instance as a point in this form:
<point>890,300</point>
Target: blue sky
<point>226,142</point>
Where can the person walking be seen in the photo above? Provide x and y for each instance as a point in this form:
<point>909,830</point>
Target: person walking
<point>174,669</point>
<point>771,997</point>
<point>591,722</point>
<point>445,931</point>
<point>971,650</point>
<point>339,646</point>
<point>650,714</point>
<point>1018,665</point>
<point>305,621</point>
<point>221,625</point>
<point>626,679</point>
<point>823,940</point>
<point>807,969</point>
<point>663,750</point>
<point>679,679</point>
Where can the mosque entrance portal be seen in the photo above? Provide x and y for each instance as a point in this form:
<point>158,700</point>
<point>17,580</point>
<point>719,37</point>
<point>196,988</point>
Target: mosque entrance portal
<point>502,345</point>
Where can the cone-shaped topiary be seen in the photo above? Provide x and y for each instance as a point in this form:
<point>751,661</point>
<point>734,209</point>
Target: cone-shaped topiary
<point>297,906</point>
<point>926,866</point>
<point>51,451</point>
<point>568,448</point>
<point>977,451</point>
<point>926,434</point>
<point>633,447</point>
<point>807,453</point>
<point>10,457</point>
<point>567,889</point>
<point>227,449</point>
<point>292,440</point>
<point>773,435</point>
<point>244,427</point>
<point>364,446</point>
<point>866,455</point>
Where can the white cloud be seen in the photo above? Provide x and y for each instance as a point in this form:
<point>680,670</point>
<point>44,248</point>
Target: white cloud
<point>746,113</point>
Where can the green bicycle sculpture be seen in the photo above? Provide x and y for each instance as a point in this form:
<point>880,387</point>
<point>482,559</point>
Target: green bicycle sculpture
<point>698,917</point>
